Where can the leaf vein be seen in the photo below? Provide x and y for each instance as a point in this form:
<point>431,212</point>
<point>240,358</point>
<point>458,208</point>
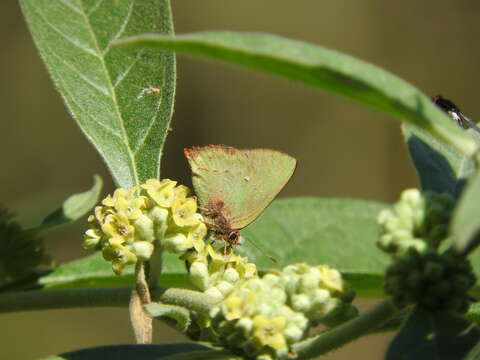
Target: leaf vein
<point>71,6</point>
<point>141,141</point>
<point>72,41</point>
<point>122,75</point>
<point>107,128</point>
<point>94,8</point>
<point>114,98</point>
<point>80,74</point>
<point>120,31</point>
<point>71,99</point>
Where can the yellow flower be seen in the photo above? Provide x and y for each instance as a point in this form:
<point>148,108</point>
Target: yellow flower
<point>330,278</point>
<point>181,192</point>
<point>268,331</point>
<point>91,239</point>
<point>162,192</point>
<point>218,261</point>
<point>238,307</point>
<point>184,212</point>
<point>118,254</point>
<point>117,226</point>
<point>177,243</point>
<point>246,270</point>
<point>126,202</point>
<point>198,234</point>
<point>234,306</point>
<point>101,212</point>
<point>128,224</point>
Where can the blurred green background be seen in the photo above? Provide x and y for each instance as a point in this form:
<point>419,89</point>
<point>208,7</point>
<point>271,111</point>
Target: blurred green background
<point>344,149</point>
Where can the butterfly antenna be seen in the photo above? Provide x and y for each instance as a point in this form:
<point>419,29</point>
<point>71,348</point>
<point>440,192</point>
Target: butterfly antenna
<point>272,259</point>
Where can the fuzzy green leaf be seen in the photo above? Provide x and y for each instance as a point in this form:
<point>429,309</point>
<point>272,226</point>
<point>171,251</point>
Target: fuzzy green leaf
<point>474,313</point>
<point>440,167</point>
<point>433,336</point>
<point>128,352</point>
<point>338,232</point>
<point>466,220</point>
<point>319,67</point>
<point>74,207</point>
<point>94,271</point>
<point>121,99</point>
<point>179,314</point>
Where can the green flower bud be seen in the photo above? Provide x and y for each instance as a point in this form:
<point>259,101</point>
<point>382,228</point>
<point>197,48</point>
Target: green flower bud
<point>296,327</point>
<point>314,291</point>
<point>215,293</point>
<point>231,275</point>
<point>199,275</point>
<point>431,280</point>
<point>144,231</point>
<point>433,271</point>
<point>418,221</point>
<point>142,249</point>
<point>301,302</point>
<point>177,243</point>
<point>224,287</point>
<point>91,239</point>
<point>245,325</point>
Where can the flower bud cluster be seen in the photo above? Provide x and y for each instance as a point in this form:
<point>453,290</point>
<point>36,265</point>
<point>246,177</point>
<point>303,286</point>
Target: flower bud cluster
<point>317,291</point>
<point>126,225</point>
<point>418,221</point>
<point>217,272</point>
<point>434,281</point>
<point>265,316</point>
<point>420,274</point>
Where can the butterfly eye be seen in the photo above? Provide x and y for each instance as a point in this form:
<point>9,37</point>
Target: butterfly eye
<point>233,236</point>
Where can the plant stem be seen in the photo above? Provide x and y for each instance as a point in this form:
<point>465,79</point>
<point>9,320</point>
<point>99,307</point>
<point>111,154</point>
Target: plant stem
<point>346,332</point>
<point>141,285</point>
<point>142,323</point>
<point>64,299</point>
<point>155,265</point>
<point>204,355</point>
<point>97,297</point>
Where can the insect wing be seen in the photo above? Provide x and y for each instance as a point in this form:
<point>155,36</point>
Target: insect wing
<point>245,181</point>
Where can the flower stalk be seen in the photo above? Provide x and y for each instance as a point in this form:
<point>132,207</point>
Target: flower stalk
<point>347,332</point>
<point>140,320</point>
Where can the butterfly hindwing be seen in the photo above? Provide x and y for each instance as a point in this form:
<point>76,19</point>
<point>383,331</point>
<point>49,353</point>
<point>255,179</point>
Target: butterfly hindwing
<point>244,182</point>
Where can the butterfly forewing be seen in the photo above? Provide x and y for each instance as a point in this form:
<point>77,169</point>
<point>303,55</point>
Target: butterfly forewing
<point>244,181</point>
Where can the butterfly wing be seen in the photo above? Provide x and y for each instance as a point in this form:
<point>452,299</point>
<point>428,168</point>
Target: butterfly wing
<point>246,181</point>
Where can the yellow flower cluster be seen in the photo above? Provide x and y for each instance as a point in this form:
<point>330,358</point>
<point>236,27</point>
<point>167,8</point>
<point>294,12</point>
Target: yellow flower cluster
<point>126,226</point>
<point>255,317</point>
<point>264,316</point>
<point>261,316</point>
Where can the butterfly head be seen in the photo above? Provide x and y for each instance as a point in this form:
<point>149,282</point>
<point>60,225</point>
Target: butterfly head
<point>233,237</point>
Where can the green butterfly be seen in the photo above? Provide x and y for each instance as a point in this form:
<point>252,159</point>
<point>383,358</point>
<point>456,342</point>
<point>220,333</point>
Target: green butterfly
<point>235,186</point>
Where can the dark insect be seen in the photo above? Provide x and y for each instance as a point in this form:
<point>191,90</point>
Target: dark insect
<point>454,112</point>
